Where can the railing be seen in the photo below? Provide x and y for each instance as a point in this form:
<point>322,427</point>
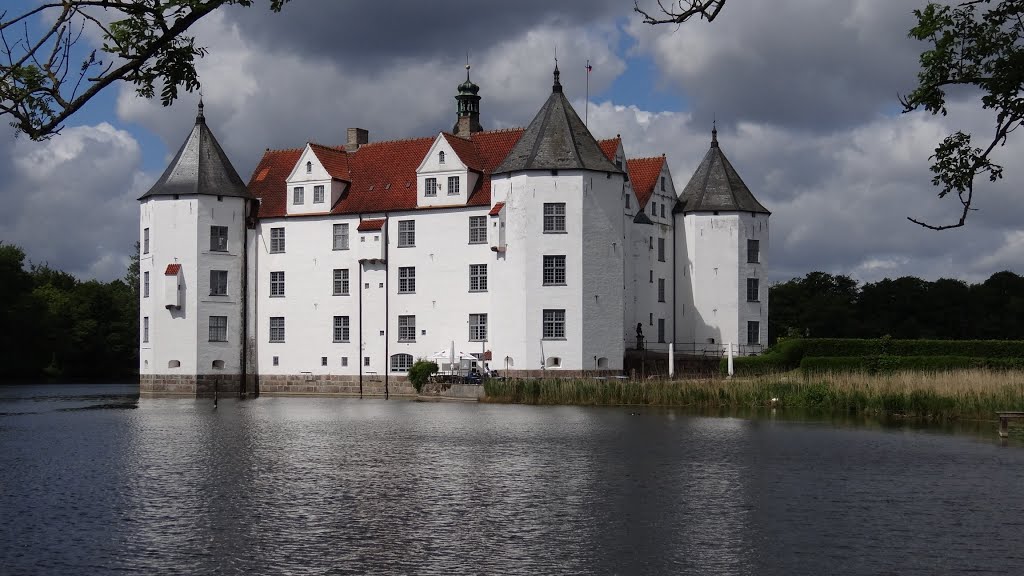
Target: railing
<point>704,349</point>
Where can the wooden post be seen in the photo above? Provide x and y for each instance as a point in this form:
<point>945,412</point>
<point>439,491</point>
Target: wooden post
<point>671,360</point>
<point>1004,426</point>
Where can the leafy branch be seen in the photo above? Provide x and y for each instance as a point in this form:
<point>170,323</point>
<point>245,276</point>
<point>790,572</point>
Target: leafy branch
<point>45,77</point>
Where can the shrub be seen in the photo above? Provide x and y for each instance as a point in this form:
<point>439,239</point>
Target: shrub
<point>420,373</point>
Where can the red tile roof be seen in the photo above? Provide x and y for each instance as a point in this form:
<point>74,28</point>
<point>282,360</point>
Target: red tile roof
<point>644,173</point>
<point>172,269</point>
<point>370,225</point>
<point>496,209</point>
<point>610,147</point>
<point>382,175</point>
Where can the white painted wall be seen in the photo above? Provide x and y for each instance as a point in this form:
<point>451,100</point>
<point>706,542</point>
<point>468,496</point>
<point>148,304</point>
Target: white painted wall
<point>230,212</point>
<point>603,272</point>
<point>712,251</point>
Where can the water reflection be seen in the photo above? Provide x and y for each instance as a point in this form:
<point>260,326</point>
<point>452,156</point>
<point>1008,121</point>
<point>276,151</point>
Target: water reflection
<point>346,486</point>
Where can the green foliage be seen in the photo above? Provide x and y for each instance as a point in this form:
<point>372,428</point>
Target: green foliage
<point>889,364</point>
<point>143,42</point>
<point>978,45</point>
<point>64,327</point>
<point>421,372</point>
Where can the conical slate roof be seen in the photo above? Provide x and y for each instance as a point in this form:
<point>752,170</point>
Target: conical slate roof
<point>556,139</point>
<point>200,167</point>
<point>716,186</point>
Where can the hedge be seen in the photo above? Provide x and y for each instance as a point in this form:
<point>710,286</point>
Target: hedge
<point>791,353</point>
<point>876,364</point>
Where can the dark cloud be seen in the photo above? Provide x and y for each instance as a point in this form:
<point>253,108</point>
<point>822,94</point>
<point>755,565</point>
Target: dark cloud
<point>368,34</point>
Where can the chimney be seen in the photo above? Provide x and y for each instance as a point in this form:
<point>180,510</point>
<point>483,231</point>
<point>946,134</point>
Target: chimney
<point>356,138</point>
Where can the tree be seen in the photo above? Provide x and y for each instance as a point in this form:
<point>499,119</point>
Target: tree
<point>48,75</point>
<point>977,44</point>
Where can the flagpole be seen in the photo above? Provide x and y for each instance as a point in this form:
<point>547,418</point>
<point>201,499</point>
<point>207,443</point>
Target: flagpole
<point>586,105</point>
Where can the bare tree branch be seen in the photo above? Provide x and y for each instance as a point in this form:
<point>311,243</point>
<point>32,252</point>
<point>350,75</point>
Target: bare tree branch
<point>681,10</point>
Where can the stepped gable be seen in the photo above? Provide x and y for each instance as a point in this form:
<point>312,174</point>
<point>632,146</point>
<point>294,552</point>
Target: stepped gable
<point>381,175</point>
<point>199,167</point>
<point>557,139</point>
<point>644,173</point>
<point>716,186</point>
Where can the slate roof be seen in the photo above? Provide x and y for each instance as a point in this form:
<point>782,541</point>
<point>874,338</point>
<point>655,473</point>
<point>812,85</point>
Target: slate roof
<point>644,173</point>
<point>716,186</point>
<point>557,139</point>
<point>381,175</point>
<point>199,167</point>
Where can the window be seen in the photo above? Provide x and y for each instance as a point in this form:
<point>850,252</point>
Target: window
<point>145,329</point>
<point>554,217</point>
<point>298,195</point>
<point>554,323</point>
<point>401,362</point>
<point>318,194</point>
<point>753,332</point>
<point>277,239</point>
<point>554,270</point>
<point>651,276</point>
<point>277,360</point>
<point>406,279</point>
<point>341,281</point>
<point>478,277</point>
<point>341,236</point>
<point>477,229</point>
<point>145,284</point>
<point>662,183</point>
<point>406,328</point>
<point>662,210</point>
<point>277,328</point>
<point>752,290</point>
<point>661,249</point>
<point>661,289</point>
<point>440,157</point>
<point>145,240</point>
<point>654,208</point>
<point>661,330</point>
<point>323,360</point>
<point>218,282</point>
<point>309,167</point>
<point>218,328</point>
<point>453,185</point>
<point>344,360</point>
<point>341,330</point>
<point>366,360</point>
<point>406,233</point>
<point>477,327</point>
<point>218,238</point>
<point>753,251</point>
<point>276,284</point>
<point>431,187</point>
<point>627,201</point>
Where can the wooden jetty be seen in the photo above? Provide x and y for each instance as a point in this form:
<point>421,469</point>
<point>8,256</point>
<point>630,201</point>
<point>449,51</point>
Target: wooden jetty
<point>1004,421</point>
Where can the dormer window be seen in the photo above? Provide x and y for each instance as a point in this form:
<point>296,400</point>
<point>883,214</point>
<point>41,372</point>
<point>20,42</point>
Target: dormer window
<point>309,167</point>
<point>440,157</point>
<point>453,185</point>
<point>431,187</point>
<point>298,196</point>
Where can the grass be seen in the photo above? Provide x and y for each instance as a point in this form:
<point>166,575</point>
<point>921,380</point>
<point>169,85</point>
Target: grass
<point>960,394</point>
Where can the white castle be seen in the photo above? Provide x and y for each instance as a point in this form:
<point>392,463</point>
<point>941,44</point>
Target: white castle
<point>532,251</point>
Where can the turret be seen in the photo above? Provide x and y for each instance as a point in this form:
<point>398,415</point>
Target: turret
<point>468,108</point>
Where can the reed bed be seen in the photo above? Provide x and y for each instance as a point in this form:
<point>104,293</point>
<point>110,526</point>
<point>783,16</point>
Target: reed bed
<point>933,395</point>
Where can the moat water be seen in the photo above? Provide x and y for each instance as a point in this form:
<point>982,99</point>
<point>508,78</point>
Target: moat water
<point>95,481</point>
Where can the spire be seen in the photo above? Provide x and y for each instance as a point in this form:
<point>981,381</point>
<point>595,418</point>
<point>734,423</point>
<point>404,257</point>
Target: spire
<point>200,118</point>
<point>468,107</point>
<point>714,134</point>
<point>557,87</point>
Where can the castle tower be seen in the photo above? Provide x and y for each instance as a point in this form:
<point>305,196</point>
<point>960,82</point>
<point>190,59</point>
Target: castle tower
<point>468,108</point>
<point>722,290</point>
<point>559,305</point>
<point>193,246</point>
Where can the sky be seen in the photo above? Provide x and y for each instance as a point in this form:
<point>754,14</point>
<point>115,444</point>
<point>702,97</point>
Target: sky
<point>804,92</point>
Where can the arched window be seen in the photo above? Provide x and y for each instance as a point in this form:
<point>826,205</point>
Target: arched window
<point>440,157</point>
<point>174,364</point>
<point>509,362</point>
<point>401,362</point>
<point>309,167</point>
<point>218,364</point>
<point>602,362</point>
<point>554,362</point>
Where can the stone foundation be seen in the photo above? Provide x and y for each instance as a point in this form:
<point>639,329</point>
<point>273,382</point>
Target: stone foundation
<point>194,385</point>
<point>333,385</point>
<point>559,374</point>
